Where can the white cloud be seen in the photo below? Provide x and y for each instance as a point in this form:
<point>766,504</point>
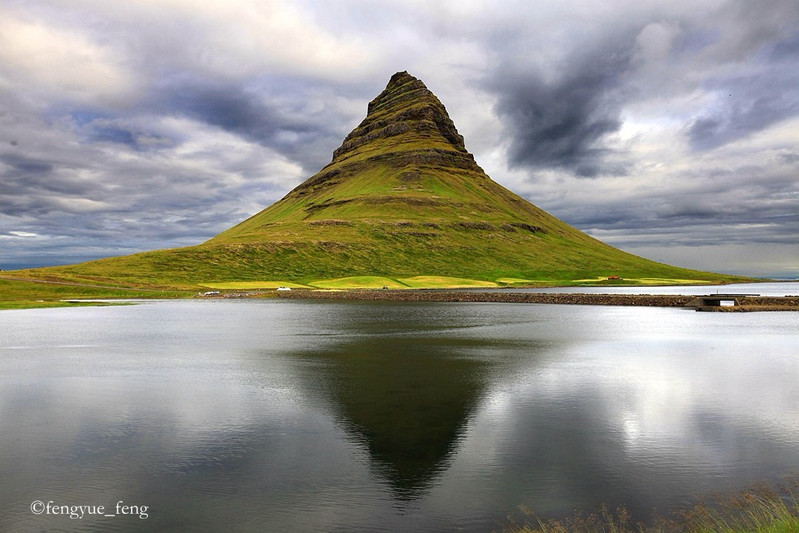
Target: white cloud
<point>227,39</point>
<point>46,59</point>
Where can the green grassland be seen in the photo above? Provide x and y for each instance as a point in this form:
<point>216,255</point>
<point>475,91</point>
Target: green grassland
<point>443,282</point>
<point>253,285</point>
<point>482,255</point>
<point>36,304</point>
<point>359,282</point>
<point>416,282</point>
<point>23,294</point>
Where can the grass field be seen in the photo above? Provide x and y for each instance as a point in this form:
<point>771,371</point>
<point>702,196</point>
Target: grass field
<point>55,290</point>
<point>253,285</point>
<point>358,282</point>
<point>23,294</point>
<point>760,509</point>
<point>37,304</point>
<point>415,282</point>
<point>444,282</point>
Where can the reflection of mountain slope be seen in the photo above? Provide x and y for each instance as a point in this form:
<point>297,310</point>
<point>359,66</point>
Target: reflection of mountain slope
<point>407,398</point>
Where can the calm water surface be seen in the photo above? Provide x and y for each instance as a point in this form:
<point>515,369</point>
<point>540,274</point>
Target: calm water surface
<point>346,416</point>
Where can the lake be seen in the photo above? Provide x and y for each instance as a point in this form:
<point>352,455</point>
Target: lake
<point>286,415</point>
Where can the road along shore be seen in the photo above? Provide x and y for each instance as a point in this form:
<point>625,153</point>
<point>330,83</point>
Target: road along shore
<point>748,303</point>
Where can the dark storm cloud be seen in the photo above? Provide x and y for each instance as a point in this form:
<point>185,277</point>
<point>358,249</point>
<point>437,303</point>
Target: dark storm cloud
<point>558,120</point>
<point>286,124</point>
<point>733,211</point>
<point>32,186</point>
<point>114,135</point>
<point>558,124</point>
<point>34,183</point>
<point>21,164</point>
<point>790,158</point>
<point>278,115</point>
<point>753,98</point>
<point>557,116</point>
<point>745,106</point>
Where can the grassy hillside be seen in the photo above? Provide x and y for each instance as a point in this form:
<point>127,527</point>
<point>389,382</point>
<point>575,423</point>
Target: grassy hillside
<point>378,249</point>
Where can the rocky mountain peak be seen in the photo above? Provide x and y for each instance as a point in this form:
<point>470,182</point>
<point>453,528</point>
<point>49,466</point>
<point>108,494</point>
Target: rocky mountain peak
<point>404,88</point>
<point>405,112</point>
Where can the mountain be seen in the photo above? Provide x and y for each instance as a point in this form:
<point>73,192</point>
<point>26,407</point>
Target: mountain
<point>402,200</point>
<point>403,173</point>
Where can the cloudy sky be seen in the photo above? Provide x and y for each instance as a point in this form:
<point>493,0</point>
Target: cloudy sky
<point>669,129</point>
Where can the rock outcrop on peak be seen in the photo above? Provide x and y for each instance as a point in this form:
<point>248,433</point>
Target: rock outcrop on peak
<point>406,107</point>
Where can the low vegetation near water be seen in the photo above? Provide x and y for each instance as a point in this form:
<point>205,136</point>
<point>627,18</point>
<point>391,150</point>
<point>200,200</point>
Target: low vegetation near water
<point>761,509</point>
<point>55,290</point>
<point>26,294</point>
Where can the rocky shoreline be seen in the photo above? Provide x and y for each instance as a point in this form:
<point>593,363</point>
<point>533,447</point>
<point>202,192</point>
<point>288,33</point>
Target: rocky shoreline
<point>749,303</point>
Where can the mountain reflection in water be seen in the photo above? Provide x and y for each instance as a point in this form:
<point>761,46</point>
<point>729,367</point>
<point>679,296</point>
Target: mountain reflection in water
<point>407,400</point>
<point>402,385</point>
<point>386,416</point>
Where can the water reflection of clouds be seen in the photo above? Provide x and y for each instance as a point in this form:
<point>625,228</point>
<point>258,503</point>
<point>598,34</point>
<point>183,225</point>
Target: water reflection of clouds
<point>554,405</point>
<point>684,403</point>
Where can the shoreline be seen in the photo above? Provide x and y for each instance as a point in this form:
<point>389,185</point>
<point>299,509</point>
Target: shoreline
<point>57,294</point>
<point>747,303</point>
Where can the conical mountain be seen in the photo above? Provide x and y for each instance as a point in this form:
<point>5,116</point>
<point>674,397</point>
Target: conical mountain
<point>403,171</point>
<point>401,199</point>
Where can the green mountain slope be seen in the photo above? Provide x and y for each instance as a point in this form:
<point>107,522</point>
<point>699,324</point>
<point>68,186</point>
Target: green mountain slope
<point>401,198</point>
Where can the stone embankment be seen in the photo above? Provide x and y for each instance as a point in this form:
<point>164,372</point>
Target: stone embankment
<point>788,303</point>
